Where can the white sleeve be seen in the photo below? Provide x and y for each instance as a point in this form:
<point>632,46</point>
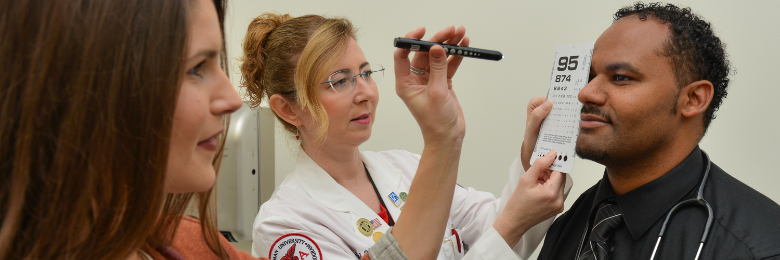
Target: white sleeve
<point>490,246</point>
<point>268,231</point>
<point>487,212</point>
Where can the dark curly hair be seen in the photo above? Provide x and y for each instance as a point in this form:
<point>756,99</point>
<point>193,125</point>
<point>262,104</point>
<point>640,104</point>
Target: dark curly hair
<point>694,51</point>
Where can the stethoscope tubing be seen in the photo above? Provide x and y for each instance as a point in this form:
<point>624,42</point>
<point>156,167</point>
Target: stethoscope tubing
<point>699,200</point>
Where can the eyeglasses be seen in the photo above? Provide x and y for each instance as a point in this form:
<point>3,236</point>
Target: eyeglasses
<point>344,81</point>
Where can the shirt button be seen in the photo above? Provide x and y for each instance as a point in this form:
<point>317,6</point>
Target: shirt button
<point>612,249</point>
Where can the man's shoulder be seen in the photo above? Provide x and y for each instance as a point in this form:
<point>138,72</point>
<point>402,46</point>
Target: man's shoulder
<point>563,236</point>
<point>748,215</point>
<point>583,203</point>
<point>728,193</point>
<point>586,198</point>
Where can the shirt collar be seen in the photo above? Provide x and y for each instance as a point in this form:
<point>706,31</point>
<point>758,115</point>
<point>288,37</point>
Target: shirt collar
<point>643,206</point>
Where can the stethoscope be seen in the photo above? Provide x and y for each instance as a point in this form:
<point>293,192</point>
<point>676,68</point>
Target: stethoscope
<point>698,201</point>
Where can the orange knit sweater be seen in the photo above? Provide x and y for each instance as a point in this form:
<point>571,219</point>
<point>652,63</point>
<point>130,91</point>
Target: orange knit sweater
<point>190,244</point>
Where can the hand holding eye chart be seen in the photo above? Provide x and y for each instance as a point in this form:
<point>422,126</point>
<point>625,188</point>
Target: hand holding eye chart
<point>560,128</point>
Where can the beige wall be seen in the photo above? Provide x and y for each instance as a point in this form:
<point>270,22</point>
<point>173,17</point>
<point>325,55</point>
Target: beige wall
<point>742,140</point>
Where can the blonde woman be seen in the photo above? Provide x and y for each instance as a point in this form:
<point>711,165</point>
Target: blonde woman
<point>342,203</point>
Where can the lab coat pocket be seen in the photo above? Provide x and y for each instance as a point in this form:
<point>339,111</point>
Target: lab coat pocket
<point>452,247</point>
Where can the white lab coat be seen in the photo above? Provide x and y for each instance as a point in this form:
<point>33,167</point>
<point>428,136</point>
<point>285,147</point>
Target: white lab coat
<point>311,203</point>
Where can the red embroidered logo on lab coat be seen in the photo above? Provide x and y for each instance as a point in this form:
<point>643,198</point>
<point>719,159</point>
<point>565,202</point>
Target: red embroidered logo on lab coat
<point>295,246</point>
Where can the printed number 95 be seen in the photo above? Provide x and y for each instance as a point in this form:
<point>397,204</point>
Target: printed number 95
<point>571,61</point>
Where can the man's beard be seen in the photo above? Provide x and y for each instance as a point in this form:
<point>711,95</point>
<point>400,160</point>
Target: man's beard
<point>599,152</point>
<point>591,154</point>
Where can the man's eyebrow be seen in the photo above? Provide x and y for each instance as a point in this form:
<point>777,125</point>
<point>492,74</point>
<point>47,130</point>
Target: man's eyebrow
<point>622,66</point>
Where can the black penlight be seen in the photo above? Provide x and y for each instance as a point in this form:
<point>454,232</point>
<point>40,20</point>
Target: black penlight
<point>425,46</point>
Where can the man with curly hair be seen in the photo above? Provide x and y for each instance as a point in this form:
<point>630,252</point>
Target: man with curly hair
<point>658,75</point>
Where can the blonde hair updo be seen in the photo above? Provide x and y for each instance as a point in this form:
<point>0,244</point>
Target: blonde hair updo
<point>290,56</point>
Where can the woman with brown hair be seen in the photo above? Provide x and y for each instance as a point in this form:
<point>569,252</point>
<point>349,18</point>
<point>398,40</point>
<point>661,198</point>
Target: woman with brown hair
<point>343,203</point>
<point>113,114</point>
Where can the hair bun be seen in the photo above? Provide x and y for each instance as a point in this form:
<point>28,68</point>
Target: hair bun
<point>253,61</point>
<point>264,24</point>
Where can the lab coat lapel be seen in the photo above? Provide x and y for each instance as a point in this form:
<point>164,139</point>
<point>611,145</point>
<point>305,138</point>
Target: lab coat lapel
<point>387,179</point>
<point>364,212</point>
<point>318,184</point>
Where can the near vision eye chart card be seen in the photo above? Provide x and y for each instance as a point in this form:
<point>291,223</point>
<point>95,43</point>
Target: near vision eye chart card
<point>560,129</point>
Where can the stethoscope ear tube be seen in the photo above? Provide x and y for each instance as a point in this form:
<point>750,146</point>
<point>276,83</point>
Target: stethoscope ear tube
<point>699,200</point>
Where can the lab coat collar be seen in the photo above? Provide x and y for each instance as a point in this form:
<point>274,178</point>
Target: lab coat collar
<point>387,179</point>
<point>321,187</point>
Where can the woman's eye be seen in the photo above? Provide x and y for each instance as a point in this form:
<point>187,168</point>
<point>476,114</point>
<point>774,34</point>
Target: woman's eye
<point>340,83</point>
<point>367,74</point>
<point>195,70</point>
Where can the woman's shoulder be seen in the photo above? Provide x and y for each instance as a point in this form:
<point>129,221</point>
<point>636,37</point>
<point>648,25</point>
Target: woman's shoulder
<point>394,156</point>
<point>291,207</point>
<point>397,161</point>
<point>190,243</point>
<point>284,199</point>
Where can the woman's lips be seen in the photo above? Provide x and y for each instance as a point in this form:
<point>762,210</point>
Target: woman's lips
<point>210,144</point>
<point>363,119</point>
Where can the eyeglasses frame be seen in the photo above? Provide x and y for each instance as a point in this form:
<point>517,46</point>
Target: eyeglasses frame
<point>354,83</point>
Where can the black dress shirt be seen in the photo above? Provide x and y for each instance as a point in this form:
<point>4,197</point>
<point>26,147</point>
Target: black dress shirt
<point>746,224</point>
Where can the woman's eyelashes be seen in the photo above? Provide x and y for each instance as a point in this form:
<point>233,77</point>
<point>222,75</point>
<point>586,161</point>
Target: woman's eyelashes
<point>196,70</point>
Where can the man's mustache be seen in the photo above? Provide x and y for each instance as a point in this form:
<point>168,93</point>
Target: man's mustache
<point>595,111</point>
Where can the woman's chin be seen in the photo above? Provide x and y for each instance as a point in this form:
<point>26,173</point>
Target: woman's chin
<point>192,182</point>
<point>357,140</point>
<point>364,136</point>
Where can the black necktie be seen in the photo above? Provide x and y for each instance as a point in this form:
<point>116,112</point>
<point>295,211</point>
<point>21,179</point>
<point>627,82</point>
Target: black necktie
<point>608,218</point>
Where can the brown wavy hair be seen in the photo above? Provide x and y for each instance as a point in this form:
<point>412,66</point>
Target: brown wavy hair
<point>289,56</point>
<point>88,95</point>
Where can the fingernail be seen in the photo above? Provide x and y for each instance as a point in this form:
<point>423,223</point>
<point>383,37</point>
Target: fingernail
<point>552,153</point>
<point>437,54</point>
<point>421,27</point>
<point>546,106</point>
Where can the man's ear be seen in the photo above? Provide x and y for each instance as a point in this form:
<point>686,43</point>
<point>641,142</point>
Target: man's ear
<point>695,98</point>
<point>285,110</point>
